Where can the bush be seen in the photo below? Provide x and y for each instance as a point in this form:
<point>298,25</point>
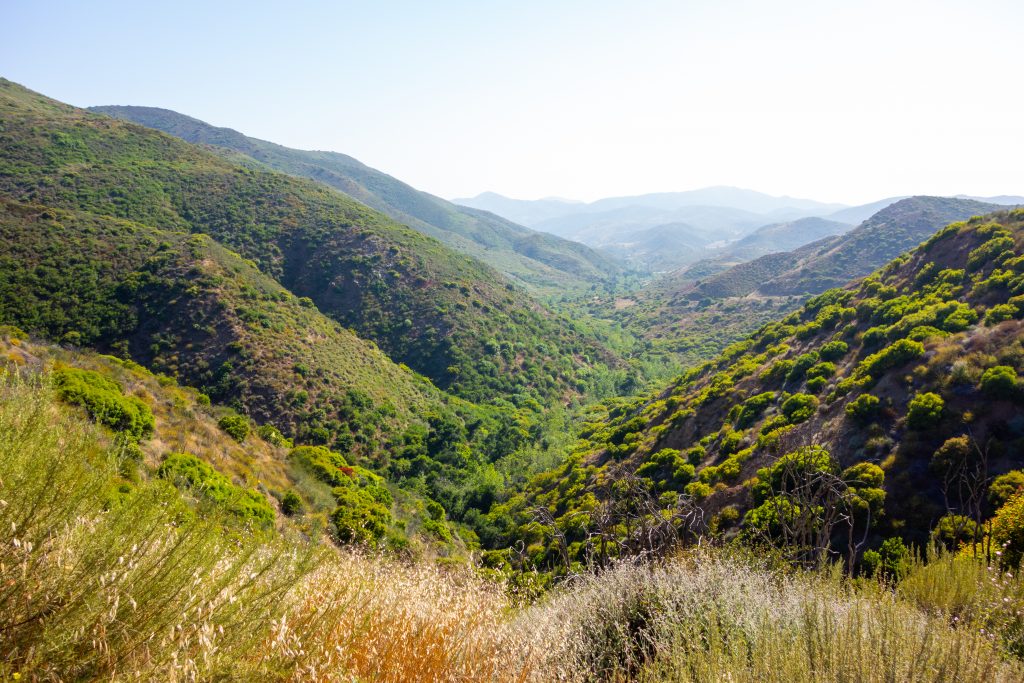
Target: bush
<point>291,503</point>
<point>104,400</point>
<point>953,531</point>
<point>1008,530</point>
<point>893,559</point>
<point>359,518</point>
<point>236,426</point>
<point>1004,487</point>
<point>891,356</point>
<point>1000,382</point>
<point>833,350</point>
<point>925,410</point>
<point>864,408</point>
<point>187,471</point>
<point>799,407</point>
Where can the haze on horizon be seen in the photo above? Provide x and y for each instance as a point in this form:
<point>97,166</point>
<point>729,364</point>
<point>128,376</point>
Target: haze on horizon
<point>834,101</point>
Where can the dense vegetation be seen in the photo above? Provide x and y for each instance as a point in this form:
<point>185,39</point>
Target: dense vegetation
<point>907,384</point>
<point>445,315</point>
<point>196,452</point>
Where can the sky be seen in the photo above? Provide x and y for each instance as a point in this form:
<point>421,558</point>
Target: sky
<point>843,101</point>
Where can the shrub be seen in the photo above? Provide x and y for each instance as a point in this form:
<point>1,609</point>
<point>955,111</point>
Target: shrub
<point>893,559</point>
<point>291,503</point>
<point>752,408</point>
<point>236,426</point>
<point>359,518</point>
<point>1008,530</point>
<point>952,531</point>
<point>799,407</point>
<point>833,350</point>
<point>1005,486</point>
<point>925,410</point>
<point>273,436</point>
<point>816,384</point>
<point>1000,313</point>
<point>891,356</point>
<point>801,364</point>
<point>104,400</point>
<point>864,408</point>
<point>189,472</point>
<point>999,382</point>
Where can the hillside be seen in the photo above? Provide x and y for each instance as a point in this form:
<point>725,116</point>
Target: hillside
<point>906,386</point>
<point>777,237</point>
<point>534,259</point>
<point>167,576</point>
<point>694,313</point>
<point>186,307</point>
<point>445,315</point>
<point>882,237</point>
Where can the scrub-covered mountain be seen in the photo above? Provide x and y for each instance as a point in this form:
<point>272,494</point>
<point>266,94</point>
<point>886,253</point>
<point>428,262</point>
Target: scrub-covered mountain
<point>182,305</point>
<point>535,259</point>
<point>456,321</point>
<point>693,316</point>
<point>896,401</point>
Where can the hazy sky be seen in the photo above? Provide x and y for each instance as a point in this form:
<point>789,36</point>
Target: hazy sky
<point>845,101</point>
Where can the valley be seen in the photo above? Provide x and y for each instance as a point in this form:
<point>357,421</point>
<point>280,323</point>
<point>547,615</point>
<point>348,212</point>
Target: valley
<point>273,414</point>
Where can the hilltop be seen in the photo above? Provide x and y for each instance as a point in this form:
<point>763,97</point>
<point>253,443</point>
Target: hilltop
<point>445,315</point>
<point>534,259</point>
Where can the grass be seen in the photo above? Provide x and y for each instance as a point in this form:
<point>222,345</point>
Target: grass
<point>110,583</point>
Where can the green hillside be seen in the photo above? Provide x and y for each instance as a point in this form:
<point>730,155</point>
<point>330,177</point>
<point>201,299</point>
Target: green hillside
<point>535,259</point>
<point>159,567</point>
<point>189,308</point>
<point>445,315</point>
<point>903,392</point>
<point>692,315</point>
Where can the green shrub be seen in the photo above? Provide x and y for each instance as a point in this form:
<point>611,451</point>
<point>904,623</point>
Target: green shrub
<point>1000,313</point>
<point>864,408</point>
<point>1000,382</point>
<point>925,410</point>
<point>821,370</point>
<point>1008,530</point>
<point>187,471</point>
<point>236,426</point>
<point>799,407</point>
<point>752,409</point>
<point>816,384</point>
<point>359,518</point>
<point>273,436</point>
<point>1004,487</point>
<point>104,400</point>
<point>890,357</point>
<point>833,350</point>
<point>291,503</point>
<point>952,531</point>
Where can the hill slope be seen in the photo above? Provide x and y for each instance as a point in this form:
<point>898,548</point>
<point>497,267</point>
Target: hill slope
<point>912,378</point>
<point>185,306</point>
<point>535,259</point>
<point>445,315</point>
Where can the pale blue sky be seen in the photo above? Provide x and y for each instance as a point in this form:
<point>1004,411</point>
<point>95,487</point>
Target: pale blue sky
<point>836,100</point>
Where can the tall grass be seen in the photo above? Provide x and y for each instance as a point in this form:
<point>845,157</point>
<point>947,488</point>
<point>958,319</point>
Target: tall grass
<point>710,616</point>
<point>97,583</point>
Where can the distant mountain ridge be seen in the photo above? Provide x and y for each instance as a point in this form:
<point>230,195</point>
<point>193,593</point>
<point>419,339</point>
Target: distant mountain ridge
<point>535,259</point>
<point>533,212</point>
